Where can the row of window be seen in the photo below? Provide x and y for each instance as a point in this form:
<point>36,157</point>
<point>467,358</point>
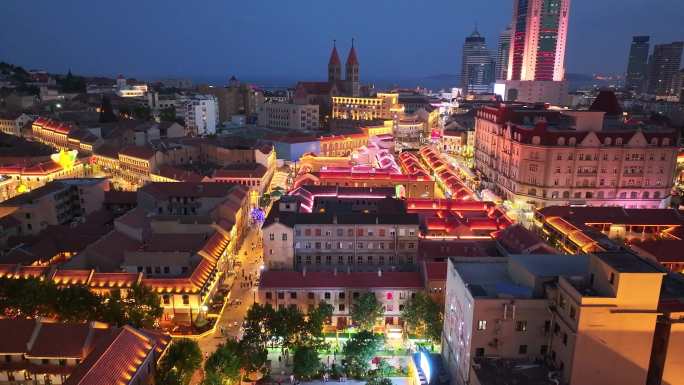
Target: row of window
<point>340,295</point>
<point>360,232</point>
<point>370,260</point>
<point>350,245</point>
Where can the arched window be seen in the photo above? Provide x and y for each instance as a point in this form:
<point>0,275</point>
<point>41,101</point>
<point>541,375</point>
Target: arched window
<point>646,195</point>
<point>666,142</point>
<point>654,141</point>
<point>618,142</point>
<point>561,141</point>
<point>536,140</point>
<point>608,141</point>
<point>572,141</point>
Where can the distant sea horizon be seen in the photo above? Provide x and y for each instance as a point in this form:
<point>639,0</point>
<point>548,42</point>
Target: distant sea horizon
<point>433,82</point>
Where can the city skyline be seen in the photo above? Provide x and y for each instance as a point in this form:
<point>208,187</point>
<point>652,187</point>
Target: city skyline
<point>182,50</point>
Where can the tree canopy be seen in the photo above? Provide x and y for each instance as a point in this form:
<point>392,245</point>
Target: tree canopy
<point>21,298</point>
<point>358,352</point>
<point>179,363</point>
<point>424,317</point>
<point>306,362</point>
<point>366,310</point>
<point>223,366</point>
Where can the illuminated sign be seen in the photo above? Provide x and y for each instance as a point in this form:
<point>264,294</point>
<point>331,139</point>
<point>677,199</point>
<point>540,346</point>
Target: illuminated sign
<point>66,159</point>
<point>425,366</point>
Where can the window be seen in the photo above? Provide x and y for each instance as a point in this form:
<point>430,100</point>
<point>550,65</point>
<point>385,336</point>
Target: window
<point>284,237</point>
<point>522,349</point>
<point>612,278</point>
<point>479,352</point>
<point>355,295</point>
<point>341,296</point>
<point>166,270</point>
<point>186,299</point>
<point>281,295</point>
<point>293,295</point>
<point>310,295</point>
<point>572,312</point>
<point>327,295</point>
<point>269,295</point>
<point>543,350</point>
<point>565,339</point>
<point>481,325</point>
<point>271,236</point>
<point>521,326</point>
<point>341,307</point>
<point>166,299</point>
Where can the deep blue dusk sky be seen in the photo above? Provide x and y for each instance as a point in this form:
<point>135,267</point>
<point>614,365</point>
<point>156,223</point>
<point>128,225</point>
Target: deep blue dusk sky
<point>285,39</point>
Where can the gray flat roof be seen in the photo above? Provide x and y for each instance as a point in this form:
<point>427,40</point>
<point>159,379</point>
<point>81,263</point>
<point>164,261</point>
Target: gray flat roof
<point>550,265</point>
<point>490,280</point>
<point>625,262</point>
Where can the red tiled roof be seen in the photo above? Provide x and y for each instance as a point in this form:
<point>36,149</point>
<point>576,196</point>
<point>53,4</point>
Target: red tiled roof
<point>517,239</point>
<point>664,250</point>
<point>140,152</point>
<point>15,335</point>
<point>178,174</point>
<point>61,340</point>
<point>436,271</point>
<point>294,279</point>
<point>117,357</point>
<point>165,190</point>
<point>249,170</point>
<point>120,197</point>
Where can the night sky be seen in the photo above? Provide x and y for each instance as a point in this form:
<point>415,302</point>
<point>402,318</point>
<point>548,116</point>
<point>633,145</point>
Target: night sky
<point>291,39</point>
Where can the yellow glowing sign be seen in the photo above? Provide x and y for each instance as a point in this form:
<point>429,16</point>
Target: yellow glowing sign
<point>64,158</point>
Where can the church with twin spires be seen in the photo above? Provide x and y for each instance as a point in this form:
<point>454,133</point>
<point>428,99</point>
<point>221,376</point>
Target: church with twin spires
<point>321,93</point>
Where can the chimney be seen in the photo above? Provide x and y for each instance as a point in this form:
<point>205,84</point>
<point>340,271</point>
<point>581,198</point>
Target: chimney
<point>379,272</point>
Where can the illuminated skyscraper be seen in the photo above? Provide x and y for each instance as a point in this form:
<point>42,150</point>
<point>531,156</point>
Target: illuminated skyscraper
<point>538,40</point>
<point>664,69</point>
<point>503,53</point>
<point>637,66</point>
<point>477,71</point>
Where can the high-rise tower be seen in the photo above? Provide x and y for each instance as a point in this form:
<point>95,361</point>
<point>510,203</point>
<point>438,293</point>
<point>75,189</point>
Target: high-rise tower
<point>502,54</point>
<point>538,40</point>
<point>477,69</point>
<point>664,69</point>
<point>352,71</point>
<point>334,65</point>
<point>637,65</point>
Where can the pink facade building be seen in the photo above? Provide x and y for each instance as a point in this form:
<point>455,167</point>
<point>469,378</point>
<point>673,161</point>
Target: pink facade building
<point>538,41</point>
<point>533,155</point>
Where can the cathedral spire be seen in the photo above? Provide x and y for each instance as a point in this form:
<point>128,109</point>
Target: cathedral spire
<point>351,58</point>
<point>334,65</point>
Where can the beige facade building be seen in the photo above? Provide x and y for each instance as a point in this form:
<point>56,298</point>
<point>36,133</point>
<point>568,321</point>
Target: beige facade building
<point>287,116</point>
<point>382,106</point>
<point>13,123</point>
<point>592,319</point>
<point>306,289</point>
<point>57,203</point>
<point>343,239</point>
<point>545,157</point>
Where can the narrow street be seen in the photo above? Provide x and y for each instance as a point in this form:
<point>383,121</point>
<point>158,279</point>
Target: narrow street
<point>243,288</point>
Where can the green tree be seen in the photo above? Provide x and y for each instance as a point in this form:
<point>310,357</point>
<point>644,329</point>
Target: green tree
<point>366,310</point>
<point>258,325</point>
<point>143,307</point>
<point>305,363</point>
<point>316,318</point>
<point>223,366</point>
<point>107,111</point>
<point>287,326</point>
<point>179,363</point>
<point>168,114</point>
<point>142,113</point>
<point>424,317</point>
<point>379,381</point>
<point>358,352</point>
<point>78,303</point>
<point>253,356</point>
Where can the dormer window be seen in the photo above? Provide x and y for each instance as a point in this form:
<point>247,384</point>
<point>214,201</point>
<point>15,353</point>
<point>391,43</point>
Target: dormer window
<point>608,141</point>
<point>561,141</point>
<point>612,278</point>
